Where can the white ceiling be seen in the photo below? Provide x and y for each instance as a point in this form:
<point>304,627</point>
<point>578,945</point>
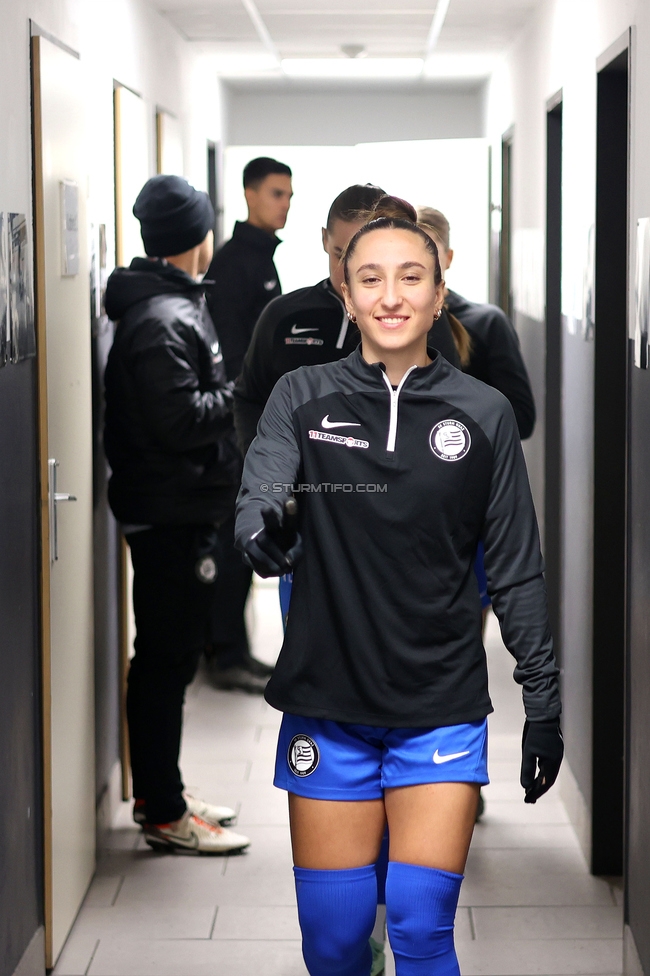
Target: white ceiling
<point>318,28</point>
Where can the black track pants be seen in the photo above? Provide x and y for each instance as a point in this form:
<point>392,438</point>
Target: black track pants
<point>173,589</point>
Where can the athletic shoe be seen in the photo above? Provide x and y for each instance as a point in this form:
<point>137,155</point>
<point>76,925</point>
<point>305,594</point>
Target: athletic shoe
<point>237,679</point>
<point>216,816</point>
<point>213,815</point>
<point>378,958</point>
<point>194,835</point>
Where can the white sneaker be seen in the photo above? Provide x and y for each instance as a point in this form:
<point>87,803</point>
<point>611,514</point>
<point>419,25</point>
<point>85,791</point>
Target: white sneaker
<point>190,833</point>
<point>216,816</point>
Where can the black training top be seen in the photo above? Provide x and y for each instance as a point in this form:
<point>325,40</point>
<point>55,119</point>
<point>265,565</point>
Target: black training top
<point>244,280</point>
<point>496,356</point>
<point>304,328</point>
<point>395,488</point>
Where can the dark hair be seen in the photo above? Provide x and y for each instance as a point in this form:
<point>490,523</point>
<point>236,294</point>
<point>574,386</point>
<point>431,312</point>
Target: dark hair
<point>387,214</point>
<point>258,169</point>
<point>436,221</point>
<point>354,202</point>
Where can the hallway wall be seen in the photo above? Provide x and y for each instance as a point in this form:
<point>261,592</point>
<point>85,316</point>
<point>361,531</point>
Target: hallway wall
<point>545,59</point>
<point>126,41</point>
<point>290,114</point>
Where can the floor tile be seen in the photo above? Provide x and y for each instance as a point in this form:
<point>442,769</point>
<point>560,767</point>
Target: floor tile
<point>540,958</point>
<point>560,836</point>
<point>197,958</point>
<point>568,922</point>
<point>103,891</point>
<point>279,922</point>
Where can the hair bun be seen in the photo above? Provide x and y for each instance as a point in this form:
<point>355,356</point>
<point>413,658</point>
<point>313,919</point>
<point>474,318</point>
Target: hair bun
<point>394,208</point>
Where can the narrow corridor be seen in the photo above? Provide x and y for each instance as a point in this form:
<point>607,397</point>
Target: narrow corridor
<point>529,905</point>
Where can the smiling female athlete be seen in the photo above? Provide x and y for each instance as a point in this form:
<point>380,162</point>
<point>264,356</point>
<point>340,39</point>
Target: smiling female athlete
<point>404,464</point>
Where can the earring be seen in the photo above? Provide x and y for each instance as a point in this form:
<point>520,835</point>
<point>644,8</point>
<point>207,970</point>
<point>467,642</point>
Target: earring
<point>352,317</point>
<point>438,314</point>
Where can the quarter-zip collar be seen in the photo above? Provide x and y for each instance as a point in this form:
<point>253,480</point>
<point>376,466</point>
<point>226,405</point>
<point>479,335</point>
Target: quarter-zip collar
<point>417,378</point>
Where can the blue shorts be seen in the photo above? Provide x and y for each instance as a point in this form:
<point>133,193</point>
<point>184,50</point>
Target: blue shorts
<point>481,577</point>
<point>329,760</point>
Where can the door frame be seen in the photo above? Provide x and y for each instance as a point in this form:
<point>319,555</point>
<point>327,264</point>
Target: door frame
<point>611,462</point>
<point>553,460</point>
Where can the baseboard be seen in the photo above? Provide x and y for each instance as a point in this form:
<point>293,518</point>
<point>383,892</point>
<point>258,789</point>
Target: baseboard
<point>108,804</point>
<point>33,960</point>
<point>576,807</point>
<point>631,961</point>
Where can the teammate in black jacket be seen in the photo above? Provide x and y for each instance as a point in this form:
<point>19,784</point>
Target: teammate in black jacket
<point>243,280</point>
<point>495,356</point>
<point>169,441</point>
<point>400,464</point>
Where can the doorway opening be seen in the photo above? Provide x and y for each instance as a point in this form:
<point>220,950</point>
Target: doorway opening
<point>610,462</point>
<point>553,416</point>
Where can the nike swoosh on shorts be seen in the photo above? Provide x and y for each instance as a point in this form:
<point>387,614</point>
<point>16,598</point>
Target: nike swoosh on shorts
<point>437,758</point>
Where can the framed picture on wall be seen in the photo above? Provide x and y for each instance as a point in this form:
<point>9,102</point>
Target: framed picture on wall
<point>21,290</point>
<point>4,292</point>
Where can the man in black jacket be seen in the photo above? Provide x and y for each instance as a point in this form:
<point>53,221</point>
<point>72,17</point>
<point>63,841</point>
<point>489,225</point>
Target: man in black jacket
<point>243,281</point>
<point>169,441</point>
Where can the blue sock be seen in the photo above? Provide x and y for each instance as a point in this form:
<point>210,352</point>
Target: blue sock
<point>420,909</point>
<point>337,912</point>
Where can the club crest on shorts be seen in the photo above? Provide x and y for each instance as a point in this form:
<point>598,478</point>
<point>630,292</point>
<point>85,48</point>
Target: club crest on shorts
<point>303,755</point>
<point>206,569</point>
<point>450,440</point>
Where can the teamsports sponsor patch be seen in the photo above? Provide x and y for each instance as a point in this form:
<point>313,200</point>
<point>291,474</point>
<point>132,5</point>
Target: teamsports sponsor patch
<point>302,341</point>
<point>450,440</point>
<point>303,755</point>
<point>320,435</point>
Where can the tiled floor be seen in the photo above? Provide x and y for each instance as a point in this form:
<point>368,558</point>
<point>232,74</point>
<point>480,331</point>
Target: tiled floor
<point>528,904</point>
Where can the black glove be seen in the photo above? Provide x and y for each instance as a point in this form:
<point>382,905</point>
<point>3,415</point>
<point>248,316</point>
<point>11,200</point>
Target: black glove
<point>275,549</point>
<point>541,745</point>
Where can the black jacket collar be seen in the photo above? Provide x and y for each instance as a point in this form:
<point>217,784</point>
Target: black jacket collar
<point>255,237</point>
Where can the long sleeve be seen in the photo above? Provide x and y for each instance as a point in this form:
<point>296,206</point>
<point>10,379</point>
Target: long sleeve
<point>505,370</point>
<point>273,459</point>
<point>514,569</point>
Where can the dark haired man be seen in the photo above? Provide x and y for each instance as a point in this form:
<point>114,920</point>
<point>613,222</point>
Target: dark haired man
<point>243,280</point>
<point>169,441</point>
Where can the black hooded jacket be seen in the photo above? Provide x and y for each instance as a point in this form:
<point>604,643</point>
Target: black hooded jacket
<point>169,431</point>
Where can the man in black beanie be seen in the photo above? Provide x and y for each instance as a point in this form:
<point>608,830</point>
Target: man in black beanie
<point>169,442</point>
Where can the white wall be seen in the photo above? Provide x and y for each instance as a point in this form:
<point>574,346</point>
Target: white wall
<point>284,116</point>
<point>450,174</point>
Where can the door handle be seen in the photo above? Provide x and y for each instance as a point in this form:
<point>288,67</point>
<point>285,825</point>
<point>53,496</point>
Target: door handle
<point>54,497</point>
